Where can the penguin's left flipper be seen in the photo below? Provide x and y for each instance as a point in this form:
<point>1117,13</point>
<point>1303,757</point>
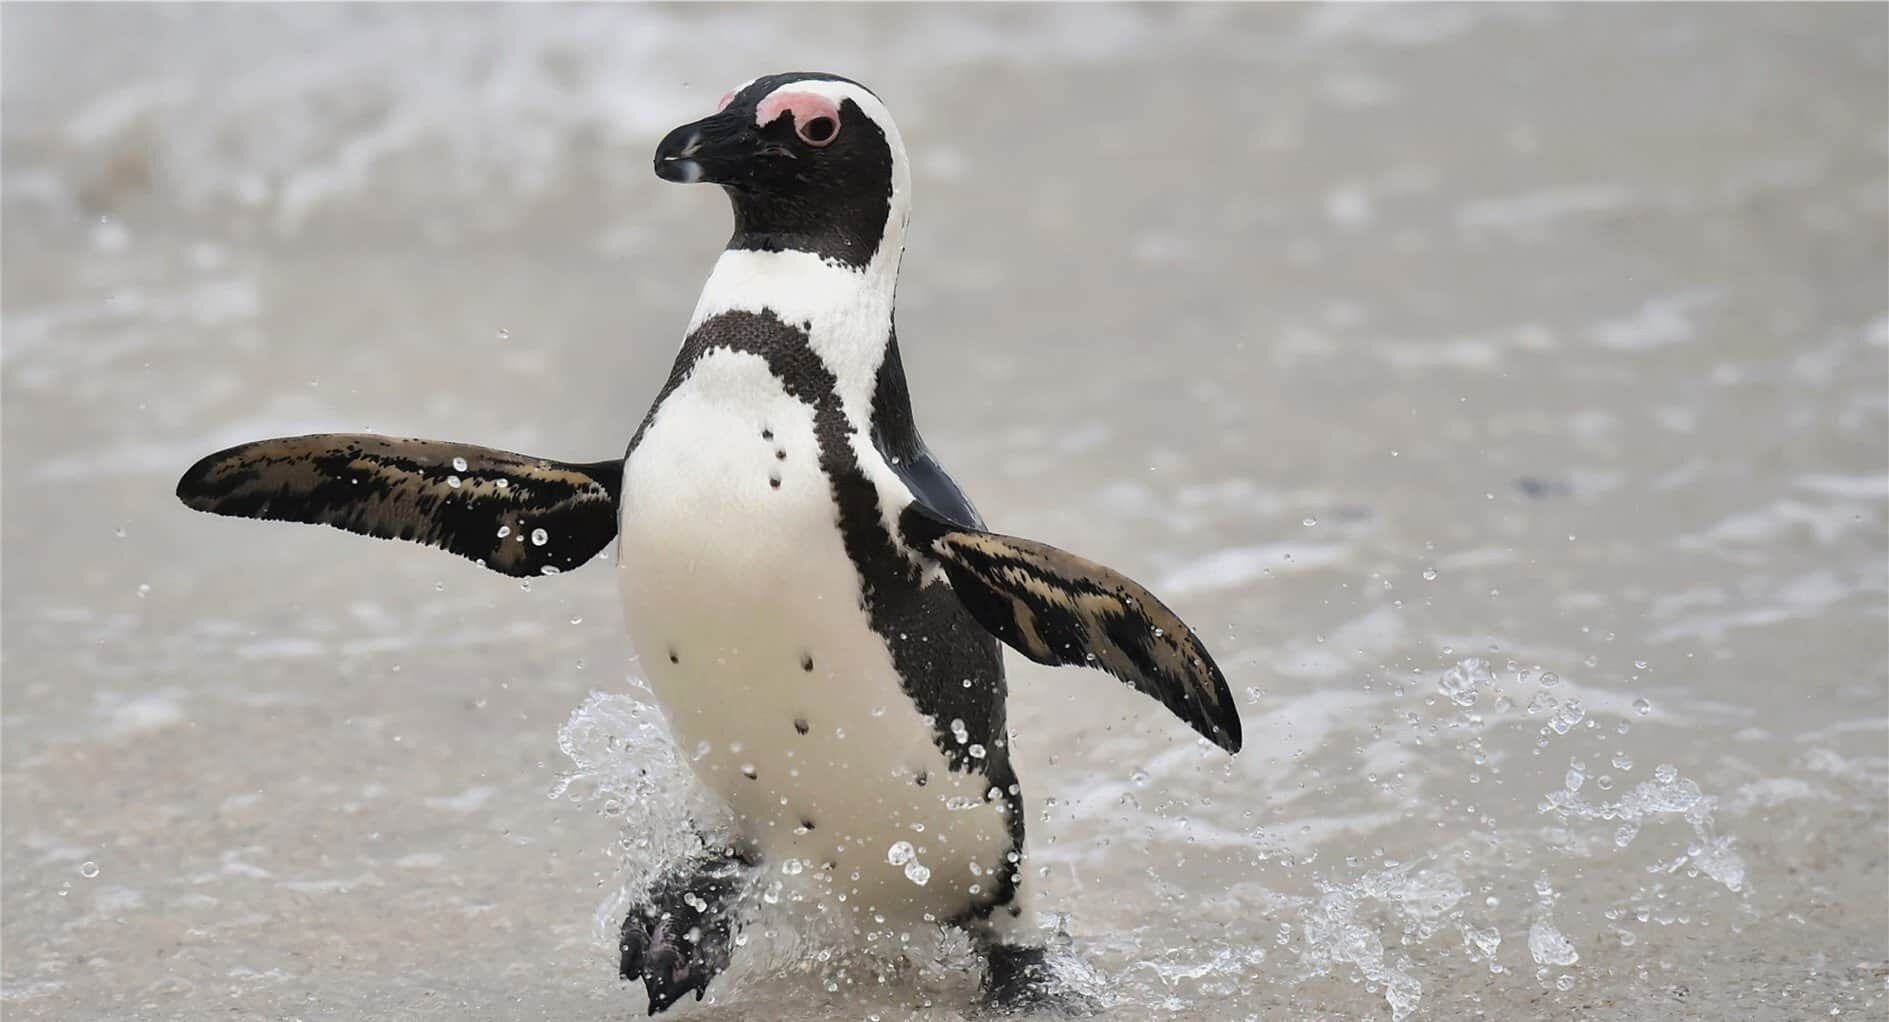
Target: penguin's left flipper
<point>512,513</point>
<point>1057,608</point>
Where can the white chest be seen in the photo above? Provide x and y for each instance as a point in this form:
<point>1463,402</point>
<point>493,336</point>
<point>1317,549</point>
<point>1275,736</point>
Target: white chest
<point>746,613</point>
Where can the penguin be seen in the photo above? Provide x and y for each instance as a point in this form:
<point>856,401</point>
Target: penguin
<point>817,606</point>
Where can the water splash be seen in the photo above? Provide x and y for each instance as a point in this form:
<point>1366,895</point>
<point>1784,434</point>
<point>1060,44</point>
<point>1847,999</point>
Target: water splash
<point>1666,796</point>
<point>1369,929</point>
<point>1341,927</point>
<point>624,764</point>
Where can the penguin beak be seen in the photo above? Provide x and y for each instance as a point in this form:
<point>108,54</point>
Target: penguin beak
<point>716,150</point>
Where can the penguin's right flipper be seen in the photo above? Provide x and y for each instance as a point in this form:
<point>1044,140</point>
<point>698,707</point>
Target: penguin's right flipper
<point>1057,608</point>
<point>514,514</point>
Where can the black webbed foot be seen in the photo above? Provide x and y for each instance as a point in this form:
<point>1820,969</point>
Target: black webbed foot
<point>1022,979</point>
<point>683,936</point>
<point>672,966</point>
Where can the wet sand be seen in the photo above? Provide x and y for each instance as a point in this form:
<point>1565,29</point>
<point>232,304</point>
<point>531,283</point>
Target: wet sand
<point>1413,354</point>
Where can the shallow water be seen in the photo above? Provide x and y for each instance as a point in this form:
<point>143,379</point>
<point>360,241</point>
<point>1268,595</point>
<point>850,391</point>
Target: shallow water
<point>1500,390</point>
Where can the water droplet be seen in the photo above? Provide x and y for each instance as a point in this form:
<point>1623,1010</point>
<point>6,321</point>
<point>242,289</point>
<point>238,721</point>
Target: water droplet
<point>793,867</point>
<point>1429,574</point>
<point>1550,679</point>
<point>503,484</point>
<point>976,751</point>
<point>144,590</point>
<point>459,464</point>
<point>918,872</point>
<point>1548,946</point>
<point>1460,683</point>
<point>900,853</point>
<point>504,334</point>
<point>1642,707</point>
<point>539,537</point>
<point>1309,521</point>
<point>1622,761</point>
<point>577,619</point>
<point>439,587</point>
<point>453,481</point>
<point>88,869</point>
<point>1665,773</point>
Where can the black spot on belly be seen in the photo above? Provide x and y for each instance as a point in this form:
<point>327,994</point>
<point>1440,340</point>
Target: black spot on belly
<point>774,480</point>
<point>806,662</point>
<point>767,434</point>
<point>800,725</point>
<point>750,773</point>
<point>804,822</point>
<point>673,658</point>
<point>780,455</point>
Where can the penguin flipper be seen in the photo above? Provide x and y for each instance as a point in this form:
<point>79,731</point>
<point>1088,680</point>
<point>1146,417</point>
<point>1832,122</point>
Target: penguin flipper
<point>1057,608</point>
<point>512,513</point>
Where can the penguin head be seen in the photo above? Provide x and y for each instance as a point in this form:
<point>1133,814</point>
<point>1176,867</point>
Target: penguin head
<point>808,160</point>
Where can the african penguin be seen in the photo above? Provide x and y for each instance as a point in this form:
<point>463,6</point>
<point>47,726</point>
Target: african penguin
<point>816,604</point>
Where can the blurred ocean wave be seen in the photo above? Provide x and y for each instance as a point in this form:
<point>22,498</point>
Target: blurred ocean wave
<point>279,112</point>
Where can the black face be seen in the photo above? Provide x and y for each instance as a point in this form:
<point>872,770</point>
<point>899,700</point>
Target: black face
<point>802,171</point>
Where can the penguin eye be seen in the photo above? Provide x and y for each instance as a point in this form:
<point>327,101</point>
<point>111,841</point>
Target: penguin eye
<point>816,117</point>
<point>818,131</point>
<point>726,98</point>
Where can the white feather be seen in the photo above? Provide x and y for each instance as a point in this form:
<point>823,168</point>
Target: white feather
<point>742,581</point>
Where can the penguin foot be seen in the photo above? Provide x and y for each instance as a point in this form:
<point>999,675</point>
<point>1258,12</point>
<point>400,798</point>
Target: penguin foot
<point>667,962</point>
<point>1021,979</point>
<point>683,936</point>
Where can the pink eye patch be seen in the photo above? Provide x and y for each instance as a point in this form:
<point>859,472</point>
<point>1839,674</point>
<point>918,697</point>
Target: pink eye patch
<point>816,118</point>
